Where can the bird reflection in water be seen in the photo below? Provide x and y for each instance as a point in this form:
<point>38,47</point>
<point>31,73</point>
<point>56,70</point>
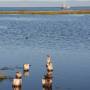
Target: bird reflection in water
<point>26,73</point>
<point>47,81</point>
<point>17,88</point>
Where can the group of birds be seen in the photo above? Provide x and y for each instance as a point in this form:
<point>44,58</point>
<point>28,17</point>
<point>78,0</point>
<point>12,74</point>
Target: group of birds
<point>17,81</point>
<point>46,81</point>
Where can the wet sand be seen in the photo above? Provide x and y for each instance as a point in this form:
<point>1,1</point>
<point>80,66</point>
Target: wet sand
<point>47,12</point>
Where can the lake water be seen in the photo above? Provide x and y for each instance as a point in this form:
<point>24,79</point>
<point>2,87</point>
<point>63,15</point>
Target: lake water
<point>29,38</point>
<point>42,8</point>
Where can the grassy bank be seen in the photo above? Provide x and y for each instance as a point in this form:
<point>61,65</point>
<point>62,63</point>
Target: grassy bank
<point>47,12</point>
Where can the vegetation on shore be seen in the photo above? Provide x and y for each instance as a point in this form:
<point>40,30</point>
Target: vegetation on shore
<point>47,12</point>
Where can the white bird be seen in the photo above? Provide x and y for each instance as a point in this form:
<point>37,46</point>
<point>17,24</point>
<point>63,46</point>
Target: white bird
<point>49,64</point>
<point>50,67</point>
<point>17,82</point>
<point>18,75</point>
<point>26,67</point>
<point>48,59</point>
<point>46,82</point>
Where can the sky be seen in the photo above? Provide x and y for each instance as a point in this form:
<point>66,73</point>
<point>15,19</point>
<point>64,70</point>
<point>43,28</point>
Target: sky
<point>42,3</point>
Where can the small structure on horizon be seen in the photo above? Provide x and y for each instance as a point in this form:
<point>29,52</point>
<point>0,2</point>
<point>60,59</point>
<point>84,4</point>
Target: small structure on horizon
<point>64,5</point>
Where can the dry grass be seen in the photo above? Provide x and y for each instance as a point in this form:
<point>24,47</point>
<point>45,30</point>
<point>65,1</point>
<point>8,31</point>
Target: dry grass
<point>47,12</point>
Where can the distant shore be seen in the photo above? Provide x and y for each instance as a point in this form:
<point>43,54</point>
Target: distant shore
<point>47,12</point>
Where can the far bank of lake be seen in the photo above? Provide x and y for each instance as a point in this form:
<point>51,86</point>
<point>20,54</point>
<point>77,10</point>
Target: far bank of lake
<point>46,12</point>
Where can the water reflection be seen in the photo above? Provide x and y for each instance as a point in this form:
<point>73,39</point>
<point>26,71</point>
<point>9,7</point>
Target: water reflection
<point>26,73</point>
<point>2,79</point>
<point>17,88</point>
<point>47,81</point>
<point>2,76</point>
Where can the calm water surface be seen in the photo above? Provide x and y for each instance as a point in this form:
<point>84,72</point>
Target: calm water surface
<point>29,38</point>
<point>42,8</point>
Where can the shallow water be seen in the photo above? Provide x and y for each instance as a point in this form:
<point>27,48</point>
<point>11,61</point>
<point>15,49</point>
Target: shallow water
<point>29,38</point>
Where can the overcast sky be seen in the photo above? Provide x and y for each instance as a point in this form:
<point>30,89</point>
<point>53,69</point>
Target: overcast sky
<point>43,2</point>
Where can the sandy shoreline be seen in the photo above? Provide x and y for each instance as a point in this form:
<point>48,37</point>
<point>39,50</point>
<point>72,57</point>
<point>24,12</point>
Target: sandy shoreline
<point>47,12</point>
